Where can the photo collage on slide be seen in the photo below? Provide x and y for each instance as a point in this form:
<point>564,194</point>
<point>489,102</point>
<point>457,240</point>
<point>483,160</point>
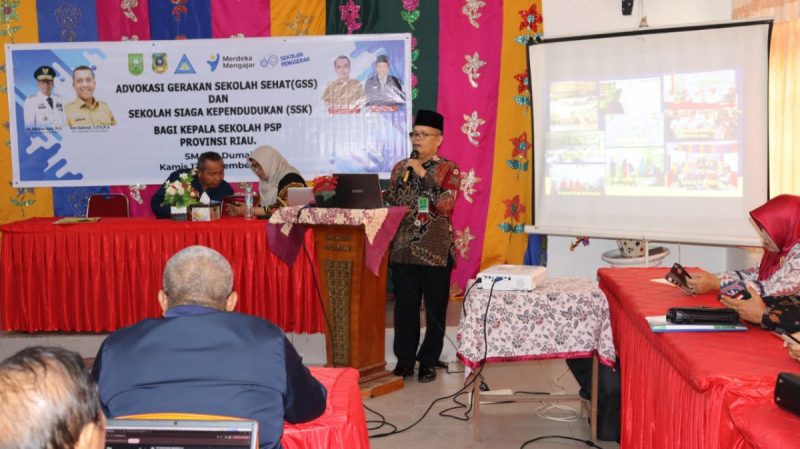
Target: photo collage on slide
<point>673,135</point>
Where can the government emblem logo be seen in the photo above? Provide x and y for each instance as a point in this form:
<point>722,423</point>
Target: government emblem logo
<point>184,67</point>
<point>213,61</point>
<point>136,63</point>
<point>160,64</point>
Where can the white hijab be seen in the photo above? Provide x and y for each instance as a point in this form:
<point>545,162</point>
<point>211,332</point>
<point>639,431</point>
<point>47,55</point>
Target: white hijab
<point>275,168</point>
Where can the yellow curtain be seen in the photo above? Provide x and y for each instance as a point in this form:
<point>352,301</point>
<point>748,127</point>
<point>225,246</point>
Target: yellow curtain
<point>784,101</point>
<point>17,25</point>
<point>784,95</point>
<point>297,17</point>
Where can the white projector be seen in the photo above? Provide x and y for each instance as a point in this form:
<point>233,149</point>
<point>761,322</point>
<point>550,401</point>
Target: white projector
<point>512,277</point>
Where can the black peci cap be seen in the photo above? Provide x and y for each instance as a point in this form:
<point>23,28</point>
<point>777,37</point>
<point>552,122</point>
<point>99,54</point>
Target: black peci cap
<point>44,73</point>
<point>429,118</point>
<point>381,58</point>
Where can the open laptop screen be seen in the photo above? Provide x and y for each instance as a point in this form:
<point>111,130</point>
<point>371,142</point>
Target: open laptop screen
<point>180,434</point>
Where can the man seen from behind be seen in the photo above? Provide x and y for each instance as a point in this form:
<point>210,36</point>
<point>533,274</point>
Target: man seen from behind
<point>202,357</point>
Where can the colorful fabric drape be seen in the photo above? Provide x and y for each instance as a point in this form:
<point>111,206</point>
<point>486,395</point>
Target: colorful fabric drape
<point>180,19</point>
<point>298,17</point>
<point>510,204</point>
<point>67,21</point>
<point>122,21</point>
<point>242,18</point>
<point>468,79</point>
<point>18,24</point>
<point>479,43</point>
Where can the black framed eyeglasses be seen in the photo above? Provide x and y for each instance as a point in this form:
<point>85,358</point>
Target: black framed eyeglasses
<point>423,135</point>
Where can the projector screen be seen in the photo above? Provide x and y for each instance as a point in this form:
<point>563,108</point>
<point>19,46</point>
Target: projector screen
<point>656,134</point>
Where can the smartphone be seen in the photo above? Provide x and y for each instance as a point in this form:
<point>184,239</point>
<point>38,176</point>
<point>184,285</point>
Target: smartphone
<point>735,289</point>
<point>678,276</point>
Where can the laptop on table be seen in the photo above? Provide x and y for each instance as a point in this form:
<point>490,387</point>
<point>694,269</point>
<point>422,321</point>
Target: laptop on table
<point>357,191</point>
<point>181,434</point>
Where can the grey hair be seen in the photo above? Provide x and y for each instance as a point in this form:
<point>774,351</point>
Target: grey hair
<point>198,275</point>
<point>47,398</point>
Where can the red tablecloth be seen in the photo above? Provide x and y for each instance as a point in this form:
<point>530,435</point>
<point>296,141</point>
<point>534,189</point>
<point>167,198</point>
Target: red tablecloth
<point>95,277</point>
<point>343,425</point>
<point>764,426</point>
<point>677,388</point>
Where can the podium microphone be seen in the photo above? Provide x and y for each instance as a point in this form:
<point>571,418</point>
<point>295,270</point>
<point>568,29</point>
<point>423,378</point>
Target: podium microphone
<point>414,155</point>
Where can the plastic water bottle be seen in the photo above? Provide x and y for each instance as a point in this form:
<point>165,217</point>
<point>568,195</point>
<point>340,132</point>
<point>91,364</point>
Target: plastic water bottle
<point>249,212</point>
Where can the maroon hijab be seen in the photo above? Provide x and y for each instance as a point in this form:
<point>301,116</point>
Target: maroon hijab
<point>780,219</point>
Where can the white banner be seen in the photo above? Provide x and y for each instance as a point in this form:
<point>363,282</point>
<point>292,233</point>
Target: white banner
<point>118,113</point>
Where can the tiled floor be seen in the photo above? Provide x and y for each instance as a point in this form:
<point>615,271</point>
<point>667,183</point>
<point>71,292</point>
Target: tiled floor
<point>503,426</point>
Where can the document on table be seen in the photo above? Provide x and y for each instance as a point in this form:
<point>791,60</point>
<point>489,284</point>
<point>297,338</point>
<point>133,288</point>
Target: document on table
<point>76,220</point>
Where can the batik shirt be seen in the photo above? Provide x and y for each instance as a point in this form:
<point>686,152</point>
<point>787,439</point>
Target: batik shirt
<point>424,238</point>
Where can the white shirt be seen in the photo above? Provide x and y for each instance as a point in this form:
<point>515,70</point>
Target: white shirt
<point>39,114</point>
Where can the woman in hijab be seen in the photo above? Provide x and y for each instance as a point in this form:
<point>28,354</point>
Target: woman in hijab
<point>275,176</point>
<point>775,283</point>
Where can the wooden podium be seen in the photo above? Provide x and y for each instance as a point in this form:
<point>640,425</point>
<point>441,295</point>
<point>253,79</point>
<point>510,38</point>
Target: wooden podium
<point>354,300</point>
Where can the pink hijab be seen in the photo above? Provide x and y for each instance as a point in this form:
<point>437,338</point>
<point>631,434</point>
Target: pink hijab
<point>780,219</point>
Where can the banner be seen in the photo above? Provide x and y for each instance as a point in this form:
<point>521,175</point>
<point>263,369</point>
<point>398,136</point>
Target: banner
<point>131,112</point>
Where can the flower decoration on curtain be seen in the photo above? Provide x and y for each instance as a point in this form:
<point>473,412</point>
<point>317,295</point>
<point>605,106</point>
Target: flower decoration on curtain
<point>8,15</point>
<point>470,127</point>
<point>531,18</point>
<point>180,192</point>
<point>470,10</point>
<point>68,17</point>
<point>135,191</point>
<point>348,13</point>
<point>468,181</point>
<point>410,12</point>
<point>514,209</point>
<point>523,89</point>
<point>299,26</point>
<point>471,68</point>
<point>179,9</point>
<point>462,241</point>
<point>127,9</point>
<point>519,155</point>
<point>21,201</point>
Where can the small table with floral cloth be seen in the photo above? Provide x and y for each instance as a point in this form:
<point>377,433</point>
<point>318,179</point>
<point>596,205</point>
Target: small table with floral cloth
<point>563,318</point>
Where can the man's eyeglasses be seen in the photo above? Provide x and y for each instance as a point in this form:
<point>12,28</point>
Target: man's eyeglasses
<point>416,134</point>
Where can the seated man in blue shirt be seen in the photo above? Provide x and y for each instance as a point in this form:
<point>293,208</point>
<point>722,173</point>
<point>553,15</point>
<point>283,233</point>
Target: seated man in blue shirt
<point>210,179</point>
<point>202,357</point>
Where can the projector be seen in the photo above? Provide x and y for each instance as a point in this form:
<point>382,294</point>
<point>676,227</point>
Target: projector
<point>512,277</point>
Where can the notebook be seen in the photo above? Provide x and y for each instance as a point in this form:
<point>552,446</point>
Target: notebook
<point>299,196</point>
<point>357,191</point>
<point>147,434</point>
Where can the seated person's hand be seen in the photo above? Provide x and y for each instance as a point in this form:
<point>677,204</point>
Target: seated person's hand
<point>750,310</point>
<point>794,348</point>
<point>703,281</point>
<point>235,209</point>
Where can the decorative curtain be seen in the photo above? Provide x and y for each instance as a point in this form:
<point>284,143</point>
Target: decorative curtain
<point>468,62</point>
<point>18,24</point>
<point>784,95</point>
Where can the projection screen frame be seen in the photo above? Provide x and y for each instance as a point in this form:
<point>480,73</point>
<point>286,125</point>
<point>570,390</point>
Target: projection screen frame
<point>709,238</point>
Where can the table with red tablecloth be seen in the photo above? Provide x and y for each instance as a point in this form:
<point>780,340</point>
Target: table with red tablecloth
<point>342,425</point>
<point>98,277</point>
<point>678,389</point>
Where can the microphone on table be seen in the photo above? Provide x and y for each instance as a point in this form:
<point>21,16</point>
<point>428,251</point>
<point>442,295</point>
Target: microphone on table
<point>414,155</point>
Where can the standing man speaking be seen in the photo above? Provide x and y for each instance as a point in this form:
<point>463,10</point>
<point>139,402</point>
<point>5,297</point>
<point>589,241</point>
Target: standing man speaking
<point>422,253</point>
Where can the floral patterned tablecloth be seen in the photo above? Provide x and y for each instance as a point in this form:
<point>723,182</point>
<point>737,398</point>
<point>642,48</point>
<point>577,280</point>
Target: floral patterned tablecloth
<point>380,225</point>
<point>562,318</point>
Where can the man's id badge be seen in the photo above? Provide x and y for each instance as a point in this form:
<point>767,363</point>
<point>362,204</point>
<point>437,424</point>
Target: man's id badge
<point>422,205</point>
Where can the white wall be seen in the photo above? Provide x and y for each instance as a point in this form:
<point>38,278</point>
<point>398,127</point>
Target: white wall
<point>567,17</point>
